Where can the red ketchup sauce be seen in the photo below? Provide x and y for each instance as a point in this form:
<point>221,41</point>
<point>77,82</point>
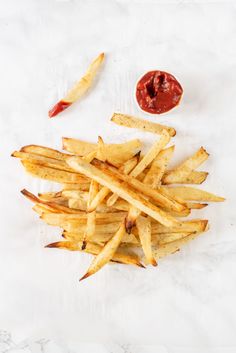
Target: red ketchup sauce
<point>158,92</point>
<point>58,108</point>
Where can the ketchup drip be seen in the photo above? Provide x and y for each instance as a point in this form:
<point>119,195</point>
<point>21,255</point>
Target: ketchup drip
<point>58,108</point>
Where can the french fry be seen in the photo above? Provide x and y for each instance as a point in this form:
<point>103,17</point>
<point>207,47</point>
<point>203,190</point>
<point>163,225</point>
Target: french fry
<point>187,193</point>
<point>102,238</point>
<point>45,151</point>
<point>195,225</point>
<point>42,160</point>
<point>50,196</point>
<point>122,190</point>
<point>115,153</point>
<point>58,219</point>
<point>144,125</point>
<point>171,248</point>
<point>94,249</point>
<point>80,186</point>
<point>80,87</point>
<point>75,194</point>
<point>196,206</point>
<point>91,218</point>
<point>104,192</point>
<point>107,253</point>
<point>166,238</point>
<point>195,177</point>
<point>158,167</point>
<point>43,209</point>
<point>190,164</point>
<point>144,231</point>
<point>58,176</point>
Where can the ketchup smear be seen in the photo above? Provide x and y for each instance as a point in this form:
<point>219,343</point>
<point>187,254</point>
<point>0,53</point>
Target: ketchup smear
<point>158,92</point>
<point>58,108</point>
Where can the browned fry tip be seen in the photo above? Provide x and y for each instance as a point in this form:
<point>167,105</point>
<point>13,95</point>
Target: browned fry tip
<point>154,263</point>
<point>53,245</point>
<point>129,224</point>
<point>85,276</point>
<point>83,247</point>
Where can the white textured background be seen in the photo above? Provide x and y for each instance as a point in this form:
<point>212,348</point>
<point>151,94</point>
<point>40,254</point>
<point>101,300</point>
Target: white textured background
<point>189,300</point>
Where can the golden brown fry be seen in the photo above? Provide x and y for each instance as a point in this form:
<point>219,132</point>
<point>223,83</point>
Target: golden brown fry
<point>42,160</point>
<point>80,186</point>
<point>192,194</point>
<point>45,151</point>
<point>166,238</point>
<point>122,190</point>
<point>196,206</point>
<point>195,225</point>
<point>95,249</point>
<point>171,248</point>
<point>58,176</point>
<point>190,164</point>
<point>194,177</point>
<point>144,125</point>
<point>91,218</point>
<point>47,196</point>
<point>102,238</point>
<point>75,194</point>
<point>158,167</point>
<point>107,253</point>
<point>144,231</point>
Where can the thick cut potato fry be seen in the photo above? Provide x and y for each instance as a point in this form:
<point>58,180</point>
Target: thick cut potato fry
<point>42,160</point>
<point>107,253</point>
<point>80,186</point>
<point>80,87</point>
<point>195,177</point>
<point>115,153</point>
<point>192,194</point>
<point>162,200</point>
<point>170,237</point>
<point>75,194</point>
<point>171,248</point>
<point>102,238</point>
<point>144,231</point>
<point>195,225</point>
<point>81,218</point>
<point>151,154</point>
<point>58,176</point>
<point>101,195</point>
<point>122,190</point>
<point>45,151</point>
<point>95,249</point>
<point>190,164</point>
<point>158,167</point>
<point>144,125</point>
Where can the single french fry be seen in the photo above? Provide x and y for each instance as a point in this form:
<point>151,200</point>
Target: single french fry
<point>42,160</point>
<point>107,253</point>
<point>196,206</point>
<point>190,164</point>
<point>75,194</point>
<point>158,167</point>
<point>187,193</point>
<point>58,176</point>
<point>195,225</point>
<point>171,248</point>
<point>91,218</point>
<point>42,209</point>
<point>80,87</point>
<point>195,177</point>
<point>122,190</point>
<point>101,195</point>
<point>151,154</point>
<point>58,219</point>
<point>80,186</point>
<point>144,125</point>
<point>45,151</point>
<point>95,249</point>
<point>47,196</point>
<point>166,238</point>
<point>144,231</point>
<point>102,238</point>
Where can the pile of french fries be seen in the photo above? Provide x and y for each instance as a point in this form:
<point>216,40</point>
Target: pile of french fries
<point>117,203</point>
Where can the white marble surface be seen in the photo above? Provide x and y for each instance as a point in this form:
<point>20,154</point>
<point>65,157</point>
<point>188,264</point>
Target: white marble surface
<point>187,304</point>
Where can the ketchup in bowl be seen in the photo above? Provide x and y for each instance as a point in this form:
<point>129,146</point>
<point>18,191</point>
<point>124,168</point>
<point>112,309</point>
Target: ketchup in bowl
<point>158,92</point>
